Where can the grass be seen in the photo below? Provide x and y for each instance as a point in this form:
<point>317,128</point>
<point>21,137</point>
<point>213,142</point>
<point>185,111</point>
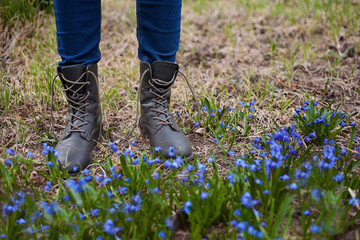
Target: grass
<point>261,171</point>
<point>15,12</point>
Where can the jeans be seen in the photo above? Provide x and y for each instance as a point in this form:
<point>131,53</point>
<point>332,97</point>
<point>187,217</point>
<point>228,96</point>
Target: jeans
<point>78,24</point>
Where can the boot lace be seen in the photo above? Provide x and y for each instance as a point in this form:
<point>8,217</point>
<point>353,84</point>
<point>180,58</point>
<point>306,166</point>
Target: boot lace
<point>77,102</point>
<point>162,100</point>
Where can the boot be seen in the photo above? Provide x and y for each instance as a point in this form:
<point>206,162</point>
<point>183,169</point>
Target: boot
<point>156,121</point>
<point>84,121</point>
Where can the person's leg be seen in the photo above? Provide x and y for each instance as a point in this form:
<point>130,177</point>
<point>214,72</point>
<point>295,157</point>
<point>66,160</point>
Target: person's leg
<point>158,29</point>
<point>158,34</point>
<point>78,25</point>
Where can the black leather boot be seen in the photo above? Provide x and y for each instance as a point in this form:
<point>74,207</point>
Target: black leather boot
<point>84,121</point>
<point>156,121</point>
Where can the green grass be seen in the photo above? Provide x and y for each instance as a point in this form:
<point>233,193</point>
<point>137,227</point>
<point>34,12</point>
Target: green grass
<point>14,12</point>
<point>275,53</point>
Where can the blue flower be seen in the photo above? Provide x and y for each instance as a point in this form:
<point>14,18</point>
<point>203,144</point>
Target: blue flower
<point>30,155</point>
<point>329,152</point>
<point>231,153</point>
<point>156,175</point>
<point>237,213</point>
<point>133,143</point>
<point>162,235</point>
<point>204,195</point>
<point>114,148</point>
<point>315,229</point>
<point>233,222</point>
<point>44,228</point>
<point>50,208</point>
<point>241,163</point>
<point>87,171</point>
<point>312,135</point>
<point>105,181</point>
<point>266,192</point>
<point>190,167</point>
<point>66,198</point>
<point>10,152</point>
<point>247,200</point>
<point>258,181</point>
<point>156,190</point>
<point>241,226</point>
<point>215,140</point>
<point>353,201</point>
<point>306,212</point>
<point>187,207</point>
<point>50,164</point>
<point>230,177</point>
<point>109,194</point>
<point>29,230</point>
<point>123,190</point>
<point>201,167</point>
<point>168,164</point>
<point>20,221</point>
<point>157,149</point>
<point>8,162</point>
<point>196,124</point>
<point>94,212</point>
<point>316,193</point>
<point>109,227</point>
<point>339,177</point>
<point>2,236</point>
<point>293,186</point>
<point>48,186</point>
<point>177,162</point>
<point>276,149</point>
<point>169,223</point>
<point>135,161</point>
<point>284,177</point>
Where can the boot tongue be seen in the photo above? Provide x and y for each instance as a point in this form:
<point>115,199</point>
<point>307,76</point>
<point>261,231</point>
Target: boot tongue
<point>164,71</point>
<point>73,73</point>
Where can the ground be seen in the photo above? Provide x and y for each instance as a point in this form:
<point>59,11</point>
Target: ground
<point>275,53</point>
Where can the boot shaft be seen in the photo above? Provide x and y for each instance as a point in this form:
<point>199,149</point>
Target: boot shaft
<point>79,80</point>
<point>81,87</point>
<point>158,76</point>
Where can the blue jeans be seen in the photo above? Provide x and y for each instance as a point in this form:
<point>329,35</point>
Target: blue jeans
<point>78,24</point>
